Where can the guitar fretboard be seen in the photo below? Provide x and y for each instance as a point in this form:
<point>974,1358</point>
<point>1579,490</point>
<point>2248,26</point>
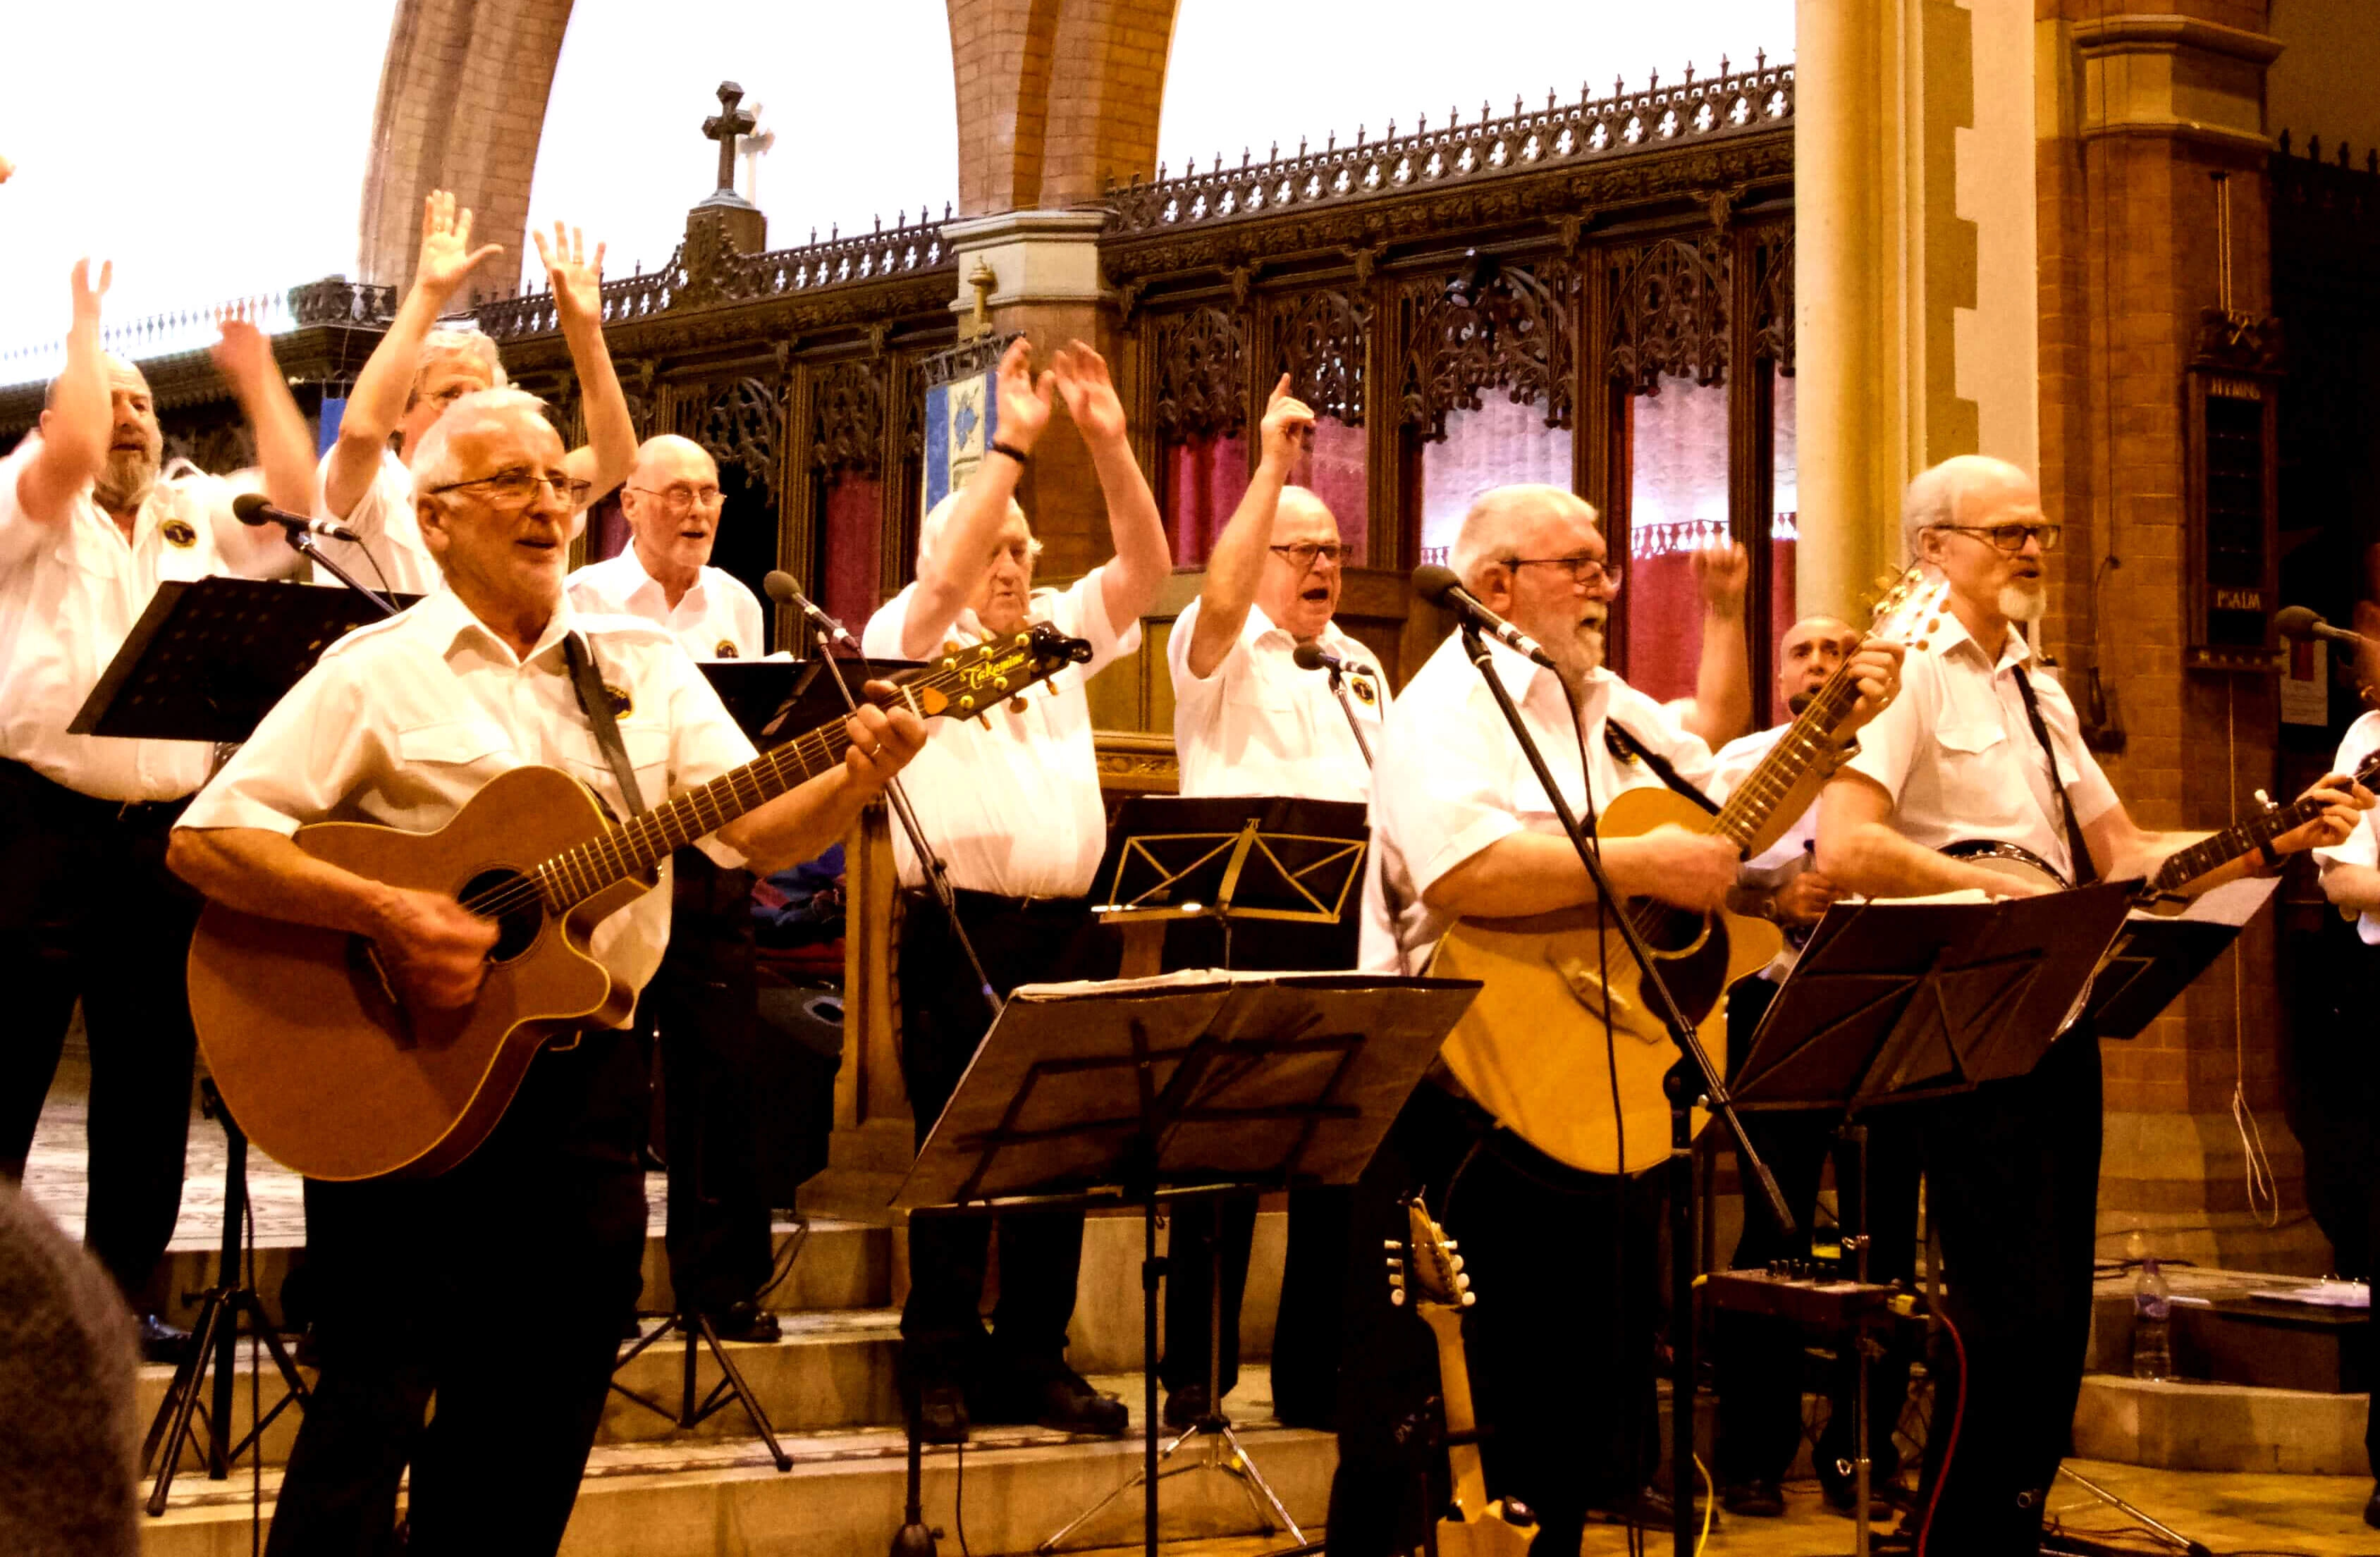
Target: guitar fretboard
<point>1802,746</point>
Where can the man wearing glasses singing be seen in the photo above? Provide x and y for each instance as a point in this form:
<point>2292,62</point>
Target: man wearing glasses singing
<point>701,1008</point>
<point>1982,746</point>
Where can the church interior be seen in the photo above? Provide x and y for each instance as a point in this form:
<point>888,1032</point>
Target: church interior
<point>2131,246</point>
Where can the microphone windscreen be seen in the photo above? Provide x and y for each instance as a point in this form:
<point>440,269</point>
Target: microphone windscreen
<point>1433,583</point>
<point>252,508</point>
<point>781,587</point>
<point>2295,622</point>
<point>1307,656</point>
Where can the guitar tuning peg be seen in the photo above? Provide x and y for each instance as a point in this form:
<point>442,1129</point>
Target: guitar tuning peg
<point>2265,801</point>
<point>1451,1245</point>
<point>1454,1262</point>
<point>1469,1299</point>
<point>1397,1298</point>
<point>1395,1246</point>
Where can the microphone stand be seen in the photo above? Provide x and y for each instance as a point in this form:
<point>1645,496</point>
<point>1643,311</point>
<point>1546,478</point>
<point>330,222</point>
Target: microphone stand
<point>1339,691</point>
<point>1694,1074</point>
<point>302,543</point>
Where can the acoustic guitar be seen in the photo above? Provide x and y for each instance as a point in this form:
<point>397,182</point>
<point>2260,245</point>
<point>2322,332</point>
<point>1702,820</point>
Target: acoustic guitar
<point>1530,1050</point>
<point>2162,892</point>
<point>332,1075</point>
<point>1430,1273</point>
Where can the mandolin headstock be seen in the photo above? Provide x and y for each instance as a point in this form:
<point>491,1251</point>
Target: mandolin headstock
<point>1426,1263</point>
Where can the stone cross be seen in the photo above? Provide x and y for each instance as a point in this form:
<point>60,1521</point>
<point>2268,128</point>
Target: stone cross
<point>725,127</point>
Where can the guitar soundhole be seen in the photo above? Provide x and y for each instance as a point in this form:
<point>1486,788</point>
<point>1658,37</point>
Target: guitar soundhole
<point>1668,931</point>
<point>521,917</point>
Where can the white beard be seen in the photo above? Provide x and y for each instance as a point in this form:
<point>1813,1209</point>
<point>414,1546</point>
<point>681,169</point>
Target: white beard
<point>2020,604</point>
<point>125,481</point>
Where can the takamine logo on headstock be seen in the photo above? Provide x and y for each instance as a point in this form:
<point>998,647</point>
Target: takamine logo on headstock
<point>967,682</point>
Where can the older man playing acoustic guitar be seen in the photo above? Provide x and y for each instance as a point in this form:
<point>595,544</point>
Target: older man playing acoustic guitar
<point>401,724</point>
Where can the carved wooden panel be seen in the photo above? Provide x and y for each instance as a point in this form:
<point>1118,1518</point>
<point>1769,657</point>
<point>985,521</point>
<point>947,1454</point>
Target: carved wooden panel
<point>1772,299</point>
<point>1317,339</point>
<point>1201,373</point>
<point>1670,311</point>
<point>1512,332</point>
<point>744,425</point>
<point>847,420</point>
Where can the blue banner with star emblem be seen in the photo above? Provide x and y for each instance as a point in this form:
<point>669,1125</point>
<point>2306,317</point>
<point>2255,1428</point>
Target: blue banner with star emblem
<point>962,413</point>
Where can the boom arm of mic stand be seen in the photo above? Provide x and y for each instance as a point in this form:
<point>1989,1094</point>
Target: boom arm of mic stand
<point>1339,691</point>
<point>303,544</point>
<point>1682,1032</point>
<point>937,873</point>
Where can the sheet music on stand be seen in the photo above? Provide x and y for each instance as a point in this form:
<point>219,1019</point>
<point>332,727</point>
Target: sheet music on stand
<point>2157,956</point>
<point>209,658</point>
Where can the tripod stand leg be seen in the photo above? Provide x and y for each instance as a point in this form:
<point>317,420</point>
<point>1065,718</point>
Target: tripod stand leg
<point>1253,1482</point>
<point>182,1400</point>
<point>734,1376</point>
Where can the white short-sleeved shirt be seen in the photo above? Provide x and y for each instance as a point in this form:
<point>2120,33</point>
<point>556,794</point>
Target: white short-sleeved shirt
<point>717,619</point>
<point>402,721</point>
<point>1260,726</point>
<point>1010,801</point>
<point>2363,845</point>
<point>384,517</point>
<point>69,595</point>
<point>1734,762</point>
<point>1450,781</point>
<point>1957,755</point>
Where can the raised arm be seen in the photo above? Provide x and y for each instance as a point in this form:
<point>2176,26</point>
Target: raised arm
<point>1723,684</point>
<point>378,401</point>
<point>1142,560</point>
<point>285,449</point>
<point>80,419</point>
<point>948,574</point>
<point>1238,560</point>
<point>577,282</point>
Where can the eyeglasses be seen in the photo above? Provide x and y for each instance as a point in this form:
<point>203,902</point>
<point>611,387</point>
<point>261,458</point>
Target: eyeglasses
<point>682,499</point>
<point>517,488</point>
<point>1305,553</point>
<point>1589,571</point>
<point>2010,539</point>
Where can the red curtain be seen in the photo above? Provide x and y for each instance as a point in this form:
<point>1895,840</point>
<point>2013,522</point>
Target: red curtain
<point>853,549</point>
<point>1205,481</point>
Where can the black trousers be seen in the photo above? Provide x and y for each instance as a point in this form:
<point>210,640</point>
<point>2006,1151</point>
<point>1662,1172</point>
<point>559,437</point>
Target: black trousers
<point>702,1009</point>
<point>1561,1344</point>
<point>2012,1182</point>
<point>1305,1331</point>
<point>88,910</point>
<point>1759,1358</point>
<point>499,1288</point>
<point>942,1019</point>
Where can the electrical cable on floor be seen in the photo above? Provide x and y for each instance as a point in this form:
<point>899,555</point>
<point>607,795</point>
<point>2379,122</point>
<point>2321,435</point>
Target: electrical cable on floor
<point>255,1396</point>
<point>1710,1501</point>
<point>785,1266</point>
<point>1950,1445</point>
<point>958,1501</point>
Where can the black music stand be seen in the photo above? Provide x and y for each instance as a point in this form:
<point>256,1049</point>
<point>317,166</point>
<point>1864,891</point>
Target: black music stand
<point>1890,1002</point>
<point>1142,1090</point>
<point>1221,859</point>
<point>208,659</point>
<point>2157,956</point>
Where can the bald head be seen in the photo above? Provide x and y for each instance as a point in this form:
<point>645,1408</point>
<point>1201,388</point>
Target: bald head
<point>665,454</point>
<point>672,501</point>
<point>1299,587</point>
<point>1808,654</point>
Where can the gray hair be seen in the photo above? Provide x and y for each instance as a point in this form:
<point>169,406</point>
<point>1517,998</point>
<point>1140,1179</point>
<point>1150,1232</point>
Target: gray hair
<point>938,519</point>
<point>435,463</point>
<point>1933,499</point>
<point>1494,517</point>
<point>447,341</point>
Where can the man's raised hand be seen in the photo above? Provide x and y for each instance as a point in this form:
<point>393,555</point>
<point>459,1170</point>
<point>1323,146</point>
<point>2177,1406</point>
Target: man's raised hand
<point>1288,428</point>
<point>1024,400</point>
<point>446,252</point>
<point>578,282</point>
<point>1090,396</point>
<point>242,352</point>
<point>86,295</point>
<point>1720,573</point>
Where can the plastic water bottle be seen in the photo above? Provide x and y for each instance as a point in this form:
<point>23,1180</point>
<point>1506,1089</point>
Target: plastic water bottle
<point>2152,1323</point>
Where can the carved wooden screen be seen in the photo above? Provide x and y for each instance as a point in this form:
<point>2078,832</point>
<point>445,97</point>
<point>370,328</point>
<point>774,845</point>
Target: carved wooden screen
<point>1198,358</point>
<point>847,465</point>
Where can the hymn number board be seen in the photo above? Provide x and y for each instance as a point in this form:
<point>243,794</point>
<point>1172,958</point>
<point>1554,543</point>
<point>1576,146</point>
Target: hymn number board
<point>2233,518</point>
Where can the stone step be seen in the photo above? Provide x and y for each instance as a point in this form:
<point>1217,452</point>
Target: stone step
<point>689,1497</point>
<point>2185,1426</point>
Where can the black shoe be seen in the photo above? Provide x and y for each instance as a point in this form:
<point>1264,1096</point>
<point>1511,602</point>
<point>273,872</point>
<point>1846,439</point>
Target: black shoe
<point>1067,1404</point>
<point>2372,1508</point>
<point>745,1321</point>
<point>1836,1483</point>
<point>161,1342</point>
<point>1754,1500</point>
<point>942,1414</point>
<point>1186,1407</point>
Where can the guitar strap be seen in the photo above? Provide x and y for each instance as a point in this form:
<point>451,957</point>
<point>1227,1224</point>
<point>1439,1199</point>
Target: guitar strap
<point>1622,744</point>
<point>596,704</point>
<point>2086,872</point>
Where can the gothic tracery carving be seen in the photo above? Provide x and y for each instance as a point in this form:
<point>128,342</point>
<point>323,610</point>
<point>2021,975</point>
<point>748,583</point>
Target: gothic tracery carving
<point>848,421</point>
<point>1201,384</point>
<point>1772,300</point>
<point>745,426</point>
<point>1318,340</point>
<point>1512,332</point>
<point>1670,311</point>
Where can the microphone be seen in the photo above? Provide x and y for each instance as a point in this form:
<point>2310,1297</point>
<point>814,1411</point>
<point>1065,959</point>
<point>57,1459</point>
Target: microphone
<point>2298,621</point>
<point>1311,656</point>
<point>255,508</point>
<point>1440,586</point>
<point>785,592</point>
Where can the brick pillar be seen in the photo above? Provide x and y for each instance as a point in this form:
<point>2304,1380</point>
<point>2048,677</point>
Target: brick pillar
<point>462,105</point>
<point>2137,112</point>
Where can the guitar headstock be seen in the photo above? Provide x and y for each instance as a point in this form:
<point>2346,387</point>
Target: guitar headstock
<point>1911,608</point>
<point>968,681</point>
<point>1426,1263</point>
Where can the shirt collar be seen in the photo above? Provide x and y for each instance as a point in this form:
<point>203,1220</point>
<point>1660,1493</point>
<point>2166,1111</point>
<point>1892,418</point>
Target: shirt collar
<point>442,615</point>
<point>637,580</point>
<point>1953,633</point>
